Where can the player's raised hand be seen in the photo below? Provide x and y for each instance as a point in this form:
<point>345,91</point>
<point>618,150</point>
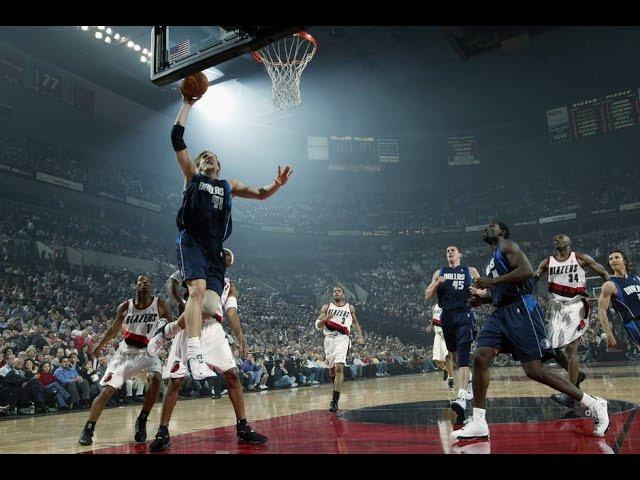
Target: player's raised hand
<point>283,175</point>
<point>189,100</point>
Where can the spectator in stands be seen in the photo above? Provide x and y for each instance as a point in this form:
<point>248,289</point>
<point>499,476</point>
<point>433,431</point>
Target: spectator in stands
<point>71,380</point>
<point>8,365</point>
<point>50,383</point>
<point>21,340</point>
<point>280,375</point>
<point>91,376</point>
<point>293,362</point>
<point>249,367</point>
<point>314,370</point>
<point>356,367</point>
<point>139,386</point>
<point>25,388</point>
<point>246,378</point>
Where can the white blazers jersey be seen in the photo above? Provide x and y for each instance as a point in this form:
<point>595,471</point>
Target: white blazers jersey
<point>567,280</point>
<point>341,320</point>
<point>139,326</point>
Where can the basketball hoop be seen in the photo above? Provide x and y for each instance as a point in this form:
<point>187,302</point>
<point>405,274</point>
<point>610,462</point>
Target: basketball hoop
<point>285,60</point>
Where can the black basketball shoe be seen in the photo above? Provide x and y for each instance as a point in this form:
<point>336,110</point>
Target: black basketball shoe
<point>247,434</point>
<point>140,430</point>
<point>87,435</point>
<point>162,442</point>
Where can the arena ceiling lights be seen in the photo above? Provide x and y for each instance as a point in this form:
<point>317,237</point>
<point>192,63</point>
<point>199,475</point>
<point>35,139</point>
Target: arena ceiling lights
<point>109,36</point>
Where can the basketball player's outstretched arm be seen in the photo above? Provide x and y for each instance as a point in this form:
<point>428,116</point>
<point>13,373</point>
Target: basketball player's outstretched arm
<point>517,259</point>
<point>356,324</point>
<point>182,155</point>
<point>432,289</point>
<point>542,269</point>
<point>239,189</point>
<point>113,330</point>
<point>174,294</point>
<point>323,317</point>
<point>587,261</point>
<point>234,322</point>
<point>164,311</point>
<point>604,300</point>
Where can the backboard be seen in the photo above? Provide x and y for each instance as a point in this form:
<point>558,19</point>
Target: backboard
<point>179,51</point>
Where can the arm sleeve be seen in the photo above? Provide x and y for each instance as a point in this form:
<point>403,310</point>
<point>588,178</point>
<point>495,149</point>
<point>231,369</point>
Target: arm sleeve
<point>177,141</point>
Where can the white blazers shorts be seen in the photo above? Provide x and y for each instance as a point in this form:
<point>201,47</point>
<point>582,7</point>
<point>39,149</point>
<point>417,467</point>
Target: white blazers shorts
<point>215,350</point>
<point>126,365</point>
<point>568,321</point>
<point>336,348</point>
<point>440,351</point>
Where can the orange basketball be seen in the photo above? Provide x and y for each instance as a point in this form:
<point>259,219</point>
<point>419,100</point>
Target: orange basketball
<point>195,85</point>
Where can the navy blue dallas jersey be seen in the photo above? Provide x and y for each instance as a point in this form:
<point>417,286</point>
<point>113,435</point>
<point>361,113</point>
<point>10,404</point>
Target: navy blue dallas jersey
<point>206,211</point>
<point>505,293</point>
<point>454,293</point>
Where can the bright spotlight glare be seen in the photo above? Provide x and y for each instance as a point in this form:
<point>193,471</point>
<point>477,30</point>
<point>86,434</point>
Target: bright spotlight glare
<point>84,28</point>
<point>220,101</point>
<point>98,35</point>
<point>109,31</point>
<point>107,39</point>
<point>143,59</point>
<point>130,44</point>
<point>117,36</point>
<point>101,27</point>
<point>136,47</point>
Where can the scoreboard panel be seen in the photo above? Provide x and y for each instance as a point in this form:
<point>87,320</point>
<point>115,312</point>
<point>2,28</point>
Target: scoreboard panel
<point>463,151</point>
<point>594,116</point>
<point>350,150</point>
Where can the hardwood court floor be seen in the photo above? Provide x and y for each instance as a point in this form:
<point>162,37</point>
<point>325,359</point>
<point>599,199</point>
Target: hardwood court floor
<point>401,414</point>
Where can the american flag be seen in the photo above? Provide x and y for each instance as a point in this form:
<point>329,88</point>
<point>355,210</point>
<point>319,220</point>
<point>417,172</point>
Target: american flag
<point>180,50</point>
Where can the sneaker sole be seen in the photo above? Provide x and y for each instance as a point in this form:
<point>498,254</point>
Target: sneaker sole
<point>84,444</point>
<point>252,442</point>
<point>472,438</point>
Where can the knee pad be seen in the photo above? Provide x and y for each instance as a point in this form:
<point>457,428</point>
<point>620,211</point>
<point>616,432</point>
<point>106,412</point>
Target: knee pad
<point>211,303</point>
<point>464,354</point>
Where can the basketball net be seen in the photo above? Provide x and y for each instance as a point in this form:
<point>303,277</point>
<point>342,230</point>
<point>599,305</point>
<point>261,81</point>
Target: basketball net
<point>285,60</point>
